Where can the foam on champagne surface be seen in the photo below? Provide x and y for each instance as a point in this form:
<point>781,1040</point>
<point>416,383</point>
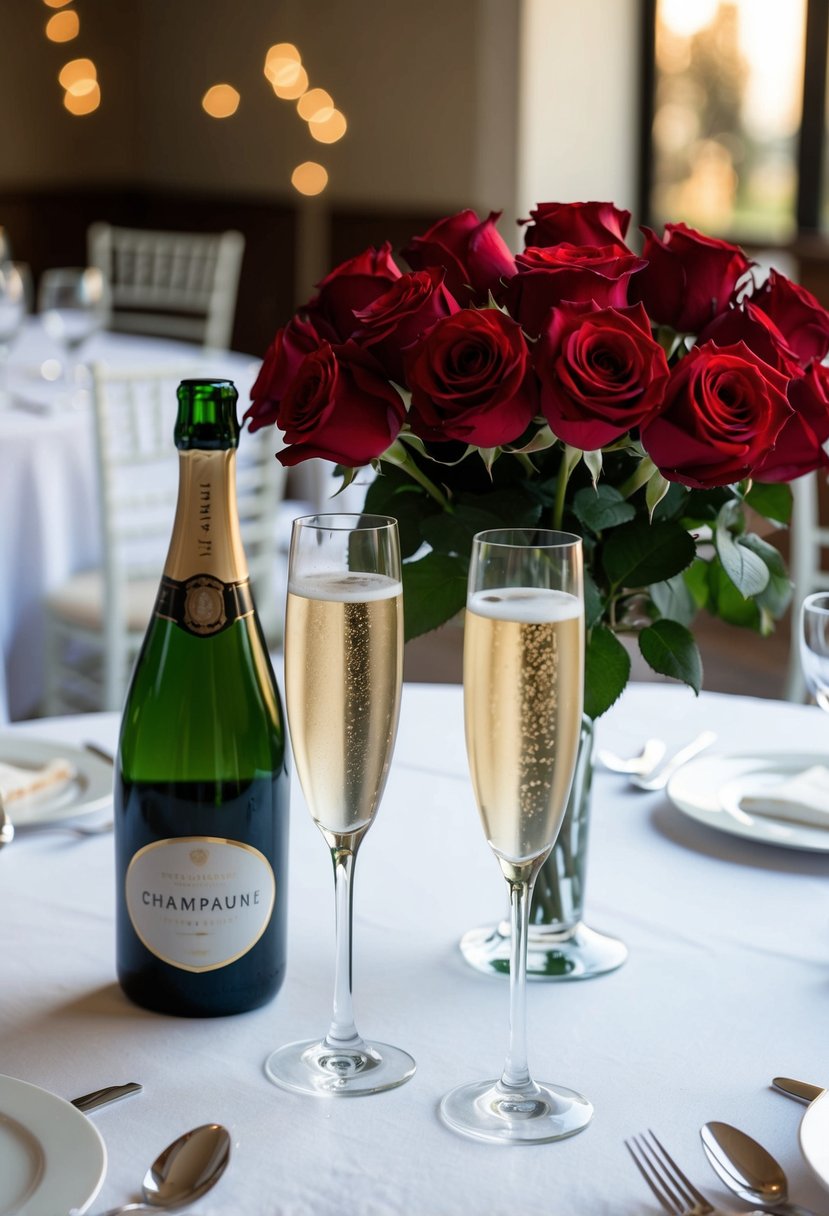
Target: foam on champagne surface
<point>352,587</point>
<point>527,605</point>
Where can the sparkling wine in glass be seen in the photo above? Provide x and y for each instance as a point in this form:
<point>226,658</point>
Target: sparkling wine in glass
<point>73,305</point>
<point>523,684</point>
<point>343,676</point>
<point>814,646</point>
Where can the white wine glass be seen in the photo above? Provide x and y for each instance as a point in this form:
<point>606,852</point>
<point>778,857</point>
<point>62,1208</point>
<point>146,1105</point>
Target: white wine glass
<point>814,646</point>
<point>73,304</point>
<point>343,677</point>
<point>523,680</point>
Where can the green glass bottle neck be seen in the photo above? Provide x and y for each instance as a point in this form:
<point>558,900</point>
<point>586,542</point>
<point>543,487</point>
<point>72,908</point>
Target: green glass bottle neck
<point>206,416</point>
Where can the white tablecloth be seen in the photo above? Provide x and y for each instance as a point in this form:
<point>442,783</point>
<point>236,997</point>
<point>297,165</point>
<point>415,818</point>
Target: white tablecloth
<point>725,987</point>
<point>48,500</point>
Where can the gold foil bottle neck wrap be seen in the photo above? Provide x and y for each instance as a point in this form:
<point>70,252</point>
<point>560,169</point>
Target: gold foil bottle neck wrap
<point>206,538</point>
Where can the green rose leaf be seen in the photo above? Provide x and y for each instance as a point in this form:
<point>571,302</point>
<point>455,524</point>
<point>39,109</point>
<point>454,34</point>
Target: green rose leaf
<point>640,553</point>
<point>452,534</point>
<point>434,590</point>
<point>695,579</point>
<point>593,602</point>
<point>674,599</point>
<point>607,669</point>
<point>778,592</point>
<point>747,571</point>
<point>394,493</point>
<point>670,649</point>
<point>602,508</point>
<point>726,602</point>
<point>773,502</point>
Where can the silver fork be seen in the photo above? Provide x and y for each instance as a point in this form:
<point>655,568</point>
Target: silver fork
<point>676,1193</point>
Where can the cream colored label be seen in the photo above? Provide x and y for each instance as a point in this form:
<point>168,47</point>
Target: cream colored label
<point>206,536</point>
<point>199,902</point>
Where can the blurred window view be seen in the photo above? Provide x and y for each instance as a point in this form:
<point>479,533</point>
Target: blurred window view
<point>728,94</point>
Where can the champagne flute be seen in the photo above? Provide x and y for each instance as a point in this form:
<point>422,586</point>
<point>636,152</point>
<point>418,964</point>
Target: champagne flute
<point>523,680</point>
<point>343,675</point>
<point>73,305</point>
<point>814,646</point>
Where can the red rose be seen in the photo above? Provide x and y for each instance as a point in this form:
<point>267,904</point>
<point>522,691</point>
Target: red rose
<point>689,279</point>
<point>724,408</point>
<point>748,324</point>
<point>471,380</point>
<point>549,276</point>
<point>796,312</point>
<point>285,354</point>
<point>340,407</point>
<point>398,317</point>
<point>472,252</point>
<point>577,224</point>
<point>798,448</point>
<point>601,373</point>
<point>351,285</point>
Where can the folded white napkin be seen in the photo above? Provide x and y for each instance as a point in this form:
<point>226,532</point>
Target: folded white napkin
<point>18,783</point>
<point>803,798</point>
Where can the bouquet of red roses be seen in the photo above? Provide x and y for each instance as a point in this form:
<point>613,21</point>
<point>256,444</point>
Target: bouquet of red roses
<point>645,401</point>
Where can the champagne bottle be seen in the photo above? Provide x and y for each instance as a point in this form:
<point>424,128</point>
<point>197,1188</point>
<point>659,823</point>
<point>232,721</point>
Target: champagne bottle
<point>201,780</point>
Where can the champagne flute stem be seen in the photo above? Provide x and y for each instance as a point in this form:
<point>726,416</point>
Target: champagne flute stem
<point>516,1074</point>
<point>342,1032</point>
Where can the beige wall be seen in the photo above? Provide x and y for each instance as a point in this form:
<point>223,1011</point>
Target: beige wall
<point>430,89</point>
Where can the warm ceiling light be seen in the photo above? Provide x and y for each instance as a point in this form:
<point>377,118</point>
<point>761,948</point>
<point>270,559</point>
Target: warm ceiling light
<point>220,101</point>
<point>309,178</point>
<point>76,70</point>
<point>330,129</point>
<point>279,53</point>
<point>56,3</point>
<point>83,103</point>
<point>63,27</point>
<point>80,88</point>
<point>289,81</point>
<point>315,106</point>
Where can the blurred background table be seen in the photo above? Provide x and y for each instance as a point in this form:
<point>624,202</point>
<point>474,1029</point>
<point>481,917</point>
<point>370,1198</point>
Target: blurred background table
<point>724,988</point>
<point>48,493</point>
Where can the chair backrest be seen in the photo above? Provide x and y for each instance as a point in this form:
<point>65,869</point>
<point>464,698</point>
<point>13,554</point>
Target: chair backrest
<point>809,540</point>
<point>137,467</point>
<point>171,284</point>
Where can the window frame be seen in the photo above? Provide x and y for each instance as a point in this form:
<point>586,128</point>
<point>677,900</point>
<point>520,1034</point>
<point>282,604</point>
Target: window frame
<point>813,124</point>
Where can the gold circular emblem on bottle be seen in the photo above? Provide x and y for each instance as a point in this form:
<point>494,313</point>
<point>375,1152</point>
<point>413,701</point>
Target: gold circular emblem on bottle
<point>199,857</point>
<point>204,604</point>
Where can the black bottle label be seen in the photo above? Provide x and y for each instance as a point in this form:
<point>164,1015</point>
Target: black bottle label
<point>203,605</point>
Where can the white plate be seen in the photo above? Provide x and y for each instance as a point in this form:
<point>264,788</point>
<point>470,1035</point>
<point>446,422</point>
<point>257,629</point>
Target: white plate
<point>709,789</point>
<point>52,1158</point>
<point>89,790</point>
<point>814,1137</point>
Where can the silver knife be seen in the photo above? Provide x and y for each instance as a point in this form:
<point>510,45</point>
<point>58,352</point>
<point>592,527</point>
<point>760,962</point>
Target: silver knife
<point>103,1097</point>
<point>802,1090</point>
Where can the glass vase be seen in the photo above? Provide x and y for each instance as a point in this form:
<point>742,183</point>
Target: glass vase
<point>560,945</point>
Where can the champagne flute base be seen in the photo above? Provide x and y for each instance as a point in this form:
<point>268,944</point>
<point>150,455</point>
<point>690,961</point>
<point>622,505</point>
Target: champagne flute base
<point>538,1114</point>
<point>578,953</point>
<point>315,1067</point>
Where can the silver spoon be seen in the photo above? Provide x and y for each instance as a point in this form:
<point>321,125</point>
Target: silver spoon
<point>185,1171</point>
<point>644,763</point>
<point>748,1169</point>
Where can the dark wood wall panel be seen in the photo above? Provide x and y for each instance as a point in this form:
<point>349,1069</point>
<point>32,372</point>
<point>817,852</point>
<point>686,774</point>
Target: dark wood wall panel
<point>48,228</point>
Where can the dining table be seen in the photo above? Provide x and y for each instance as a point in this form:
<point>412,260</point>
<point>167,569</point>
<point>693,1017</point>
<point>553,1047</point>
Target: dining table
<point>726,985</point>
